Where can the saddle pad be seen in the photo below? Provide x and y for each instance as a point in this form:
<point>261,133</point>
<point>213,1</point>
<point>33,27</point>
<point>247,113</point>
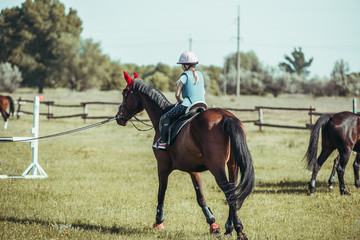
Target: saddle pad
<point>176,127</point>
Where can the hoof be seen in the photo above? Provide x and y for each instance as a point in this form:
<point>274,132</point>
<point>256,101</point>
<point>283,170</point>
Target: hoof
<point>158,226</point>
<point>214,228</point>
<point>242,236</point>
<point>330,187</point>
<point>345,193</point>
<point>311,191</point>
<point>229,230</point>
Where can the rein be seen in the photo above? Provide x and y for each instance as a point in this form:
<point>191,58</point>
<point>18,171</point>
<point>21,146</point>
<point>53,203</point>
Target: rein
<point>143,122</point>
<point>67,132</point>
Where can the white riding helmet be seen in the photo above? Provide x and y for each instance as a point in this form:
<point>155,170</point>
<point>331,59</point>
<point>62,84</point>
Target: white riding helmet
<point>188,57</point>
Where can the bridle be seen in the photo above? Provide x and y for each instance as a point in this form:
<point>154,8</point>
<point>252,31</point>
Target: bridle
<point>123,106</point>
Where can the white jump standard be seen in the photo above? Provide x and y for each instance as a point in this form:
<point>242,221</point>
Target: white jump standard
<point>34,170</point>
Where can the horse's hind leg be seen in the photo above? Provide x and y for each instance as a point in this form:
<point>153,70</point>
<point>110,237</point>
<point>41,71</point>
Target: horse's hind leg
<point>233,177</point>
<point>233,221</point>
<point>344,159</point>
<point>319,162</point>
<point>332,176</point>
<point>356,167</point>
<point>210,219</point>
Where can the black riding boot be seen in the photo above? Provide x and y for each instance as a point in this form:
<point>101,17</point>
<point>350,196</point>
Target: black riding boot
<point>164,133</point>
<point>164,124</point>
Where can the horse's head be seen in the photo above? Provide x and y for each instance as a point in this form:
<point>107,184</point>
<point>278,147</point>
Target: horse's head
<point>131,104</point>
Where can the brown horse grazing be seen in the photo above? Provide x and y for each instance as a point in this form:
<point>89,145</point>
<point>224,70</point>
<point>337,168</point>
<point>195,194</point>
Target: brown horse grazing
<point>211,141</point>
<point>6,101</point>
<point>340,131</point>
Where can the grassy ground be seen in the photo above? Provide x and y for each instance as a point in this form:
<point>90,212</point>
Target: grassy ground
<point>103,182</point>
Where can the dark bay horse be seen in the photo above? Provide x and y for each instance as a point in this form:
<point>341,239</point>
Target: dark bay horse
<point>212,140</point>
<point>6,101</point>
<point>340,131</point>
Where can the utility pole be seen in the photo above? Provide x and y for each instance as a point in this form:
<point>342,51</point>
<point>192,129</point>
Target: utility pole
<point>190,43</point>
<point>225,76</point>
<point>238,56</point>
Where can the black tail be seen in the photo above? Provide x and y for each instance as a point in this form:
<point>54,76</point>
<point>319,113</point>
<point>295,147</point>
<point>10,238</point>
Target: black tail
<point>243,160</point>
<point>311,153</point>
<point>11,105</point>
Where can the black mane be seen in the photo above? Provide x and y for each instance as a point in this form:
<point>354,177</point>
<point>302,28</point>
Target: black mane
<point>152,93</point>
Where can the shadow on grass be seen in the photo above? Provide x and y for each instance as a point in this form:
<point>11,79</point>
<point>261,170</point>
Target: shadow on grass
<point>288,187</point>
<point>121,230</point>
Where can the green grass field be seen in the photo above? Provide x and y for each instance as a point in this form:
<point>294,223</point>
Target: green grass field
<point>103,181</point>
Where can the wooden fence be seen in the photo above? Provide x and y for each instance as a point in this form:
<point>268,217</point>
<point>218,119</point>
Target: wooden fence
<point>50,104</point>
<point>259,121</point>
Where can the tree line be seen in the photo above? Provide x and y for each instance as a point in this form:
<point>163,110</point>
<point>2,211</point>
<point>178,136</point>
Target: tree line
<point>41,47</point>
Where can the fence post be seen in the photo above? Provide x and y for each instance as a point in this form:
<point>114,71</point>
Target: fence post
<point>18,110</point>
<point>85,111</point>
<point>49,110</point>
<point>261,119</point>
<point>354,106</point>
<point>311,115</point>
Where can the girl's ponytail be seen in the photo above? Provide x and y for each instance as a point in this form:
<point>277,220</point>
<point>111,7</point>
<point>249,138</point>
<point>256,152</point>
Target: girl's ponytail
<point>196,76</point>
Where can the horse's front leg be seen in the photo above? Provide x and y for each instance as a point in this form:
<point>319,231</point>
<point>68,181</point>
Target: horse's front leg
<point>163,181</point>
<point>210,219</point>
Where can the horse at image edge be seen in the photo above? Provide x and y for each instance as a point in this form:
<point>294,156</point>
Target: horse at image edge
<point>340,131</point>
<point>6,101</point>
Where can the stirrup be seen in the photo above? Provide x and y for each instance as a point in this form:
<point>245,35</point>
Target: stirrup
<point>160,145</point>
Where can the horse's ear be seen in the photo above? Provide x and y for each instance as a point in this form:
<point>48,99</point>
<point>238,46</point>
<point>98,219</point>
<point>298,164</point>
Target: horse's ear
<point>136,76</point>
<point>127,78</point>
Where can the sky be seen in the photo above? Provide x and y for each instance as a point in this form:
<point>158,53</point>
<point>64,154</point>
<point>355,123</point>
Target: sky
<point>147,32</point>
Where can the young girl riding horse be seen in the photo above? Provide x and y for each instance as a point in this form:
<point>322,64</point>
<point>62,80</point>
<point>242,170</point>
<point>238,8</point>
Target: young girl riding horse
<point>191,86</point>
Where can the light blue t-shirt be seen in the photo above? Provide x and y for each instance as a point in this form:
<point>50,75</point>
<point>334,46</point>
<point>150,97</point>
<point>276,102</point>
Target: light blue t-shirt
<point>192,92</point>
